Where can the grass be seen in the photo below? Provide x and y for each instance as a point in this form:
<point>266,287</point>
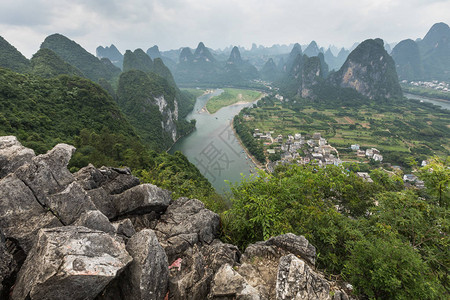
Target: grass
<point>231,96</point>
<point>196,92</point>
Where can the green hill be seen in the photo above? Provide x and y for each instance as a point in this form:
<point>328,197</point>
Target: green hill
<point>435,51</point>
<point>46,63</point>
<point>407,59</point>
<point>370,70</point>
<point>150,103</point>
<point>11,58</point>
<point>77,56</point>
<point>43,112</point>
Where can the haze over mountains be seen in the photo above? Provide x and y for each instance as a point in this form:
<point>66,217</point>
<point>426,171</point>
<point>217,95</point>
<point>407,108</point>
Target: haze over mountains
<point>423,59</point>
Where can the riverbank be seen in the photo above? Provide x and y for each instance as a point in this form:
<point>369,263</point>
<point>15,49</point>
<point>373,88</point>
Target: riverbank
<point>253,159</point>
<point>231,96</point>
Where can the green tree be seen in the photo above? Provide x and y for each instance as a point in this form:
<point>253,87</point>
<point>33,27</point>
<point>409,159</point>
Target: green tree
<point>436,175</point>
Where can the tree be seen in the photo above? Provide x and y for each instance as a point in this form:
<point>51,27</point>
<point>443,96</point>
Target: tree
<point>436,175</point>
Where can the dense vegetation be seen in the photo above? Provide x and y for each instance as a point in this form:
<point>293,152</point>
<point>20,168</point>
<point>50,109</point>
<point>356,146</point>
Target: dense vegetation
<point>45,63</point>
<point>390,243</point>
<point>11,58</point>
<point>245,134</point>
<point>74,54</point>
<point>229,97</point>
<point>136,94</point>
<point>43,112</point>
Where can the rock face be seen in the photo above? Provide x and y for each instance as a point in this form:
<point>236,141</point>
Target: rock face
<point>185,223</point>
<point>148,275</point>
<point>99,234</point>
<point>12,155</point>
<point>296,280</point>
<point>370,70</point>
<point>70,263</point>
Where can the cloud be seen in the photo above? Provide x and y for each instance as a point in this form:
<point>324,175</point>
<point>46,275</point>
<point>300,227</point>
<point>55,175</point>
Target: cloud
<point>173,24</point>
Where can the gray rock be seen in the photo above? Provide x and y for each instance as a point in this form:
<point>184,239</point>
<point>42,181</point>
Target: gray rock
<point>118,180</point>
<point>112,180</point>
<point>70,203</point>
<point>282,245</point>
<point>295,244</point>
<point>94,219</point>
<point>340,295</point>
<point>228,284</point>
<point>185,222</point>
<point>58,158</point>
<point>89,177</point>
<point>7,265</point>
<point>147,276</point>
<point>13,155</point>
<point>124,228</point>
<point>70,263</point>
<point>21,215</point>
<point>296,280</point>
<point>47,174</point>
<point>102,201</point>
<point>192,272</point>
<point>141,199</point>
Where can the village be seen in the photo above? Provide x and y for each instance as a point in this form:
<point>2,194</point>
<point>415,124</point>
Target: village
<point>437,85</point>
<point>306,149</point>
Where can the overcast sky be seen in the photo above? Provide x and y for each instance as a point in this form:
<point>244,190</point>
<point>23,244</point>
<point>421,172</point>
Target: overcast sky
<point>171,24</point>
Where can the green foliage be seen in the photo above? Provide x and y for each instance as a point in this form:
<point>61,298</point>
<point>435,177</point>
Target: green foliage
<point>47,64</point>
<point>43,112</point>
<point>389,243</point>
<point>137,60</point>
<point>11,58</point>
<point>137,95</point>
<point>229,97</point>
<point>387,268</point>
<point>436,175</point>
<point>245,134</point>
<point>74,54</point>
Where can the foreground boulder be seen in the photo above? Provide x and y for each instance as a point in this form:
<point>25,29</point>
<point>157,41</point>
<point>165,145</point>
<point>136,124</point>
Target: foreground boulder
<point>70,263</point>
<point>21,215</point>
<point>13,155</point>
<point>99,234</point>
<point>185,223</point>
<point>7,264</point>
<point>147,277</point>
<point>280,268</point>
<point>296,280</point>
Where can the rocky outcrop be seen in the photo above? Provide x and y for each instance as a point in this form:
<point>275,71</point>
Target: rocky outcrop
<point>185,223</point>
<point>370,70</point>
<point>12,155</point>
<point>148,275</point>
<point>70,263</point>
<point>296,280</point>
<point>99,234</point>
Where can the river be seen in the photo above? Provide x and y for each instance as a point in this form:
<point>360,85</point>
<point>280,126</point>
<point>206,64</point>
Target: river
<point>442,103</point>
<point>212,147</point>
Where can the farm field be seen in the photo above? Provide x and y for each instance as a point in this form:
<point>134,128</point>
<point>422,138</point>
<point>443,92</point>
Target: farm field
<point>231,96</point>
<point>400,130</point>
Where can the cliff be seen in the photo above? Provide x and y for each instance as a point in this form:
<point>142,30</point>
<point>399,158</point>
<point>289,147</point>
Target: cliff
<point>370,70</point>
<point>151,105</point>
<point>100,234</point>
